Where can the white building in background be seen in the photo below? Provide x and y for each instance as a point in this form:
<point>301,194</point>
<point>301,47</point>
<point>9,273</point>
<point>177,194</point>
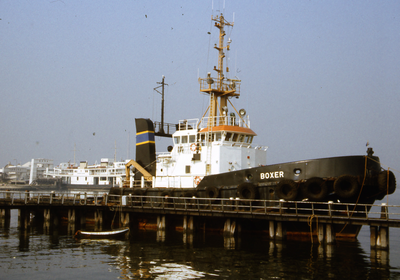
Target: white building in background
<point>39,167</point>
<point>16,173</point>
<point>28,172</point>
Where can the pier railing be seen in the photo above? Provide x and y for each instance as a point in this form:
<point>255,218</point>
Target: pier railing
<point>291,210</point>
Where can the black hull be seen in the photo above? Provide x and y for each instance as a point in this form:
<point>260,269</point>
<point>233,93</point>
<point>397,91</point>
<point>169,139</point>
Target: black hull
<point>349,179</point>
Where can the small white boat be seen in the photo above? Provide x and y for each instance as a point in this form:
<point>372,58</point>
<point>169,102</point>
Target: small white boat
<point>112,234</point>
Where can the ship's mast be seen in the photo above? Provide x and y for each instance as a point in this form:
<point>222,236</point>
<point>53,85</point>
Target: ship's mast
<point>219,88</point>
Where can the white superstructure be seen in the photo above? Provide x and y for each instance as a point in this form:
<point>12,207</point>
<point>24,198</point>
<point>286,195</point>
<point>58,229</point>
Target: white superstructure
<point>199,150</point>
<point>107,172</point>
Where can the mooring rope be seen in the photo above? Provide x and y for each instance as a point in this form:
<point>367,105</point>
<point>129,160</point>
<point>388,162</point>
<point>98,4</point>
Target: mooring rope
<point>359,194</point>
<point>309,221</point>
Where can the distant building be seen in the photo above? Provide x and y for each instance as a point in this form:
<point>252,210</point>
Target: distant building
<point>18,174</point>
<point>28,172</point>
<point>39,167</point>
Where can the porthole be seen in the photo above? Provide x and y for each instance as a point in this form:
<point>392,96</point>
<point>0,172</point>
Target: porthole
<point>297,171</point>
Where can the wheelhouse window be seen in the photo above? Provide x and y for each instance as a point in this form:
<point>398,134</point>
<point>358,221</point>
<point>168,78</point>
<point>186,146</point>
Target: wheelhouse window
<point>241,138</point>
<point>218,136</point>
<point>228,136</point>
<point>192,138</point>
<point>235,137</point>
<point>184,139</point>
<point>176,140</point>
<point>202,139</point>
<point>249,139</point>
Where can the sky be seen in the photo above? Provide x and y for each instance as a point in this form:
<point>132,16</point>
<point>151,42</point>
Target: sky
<point>319,78</point>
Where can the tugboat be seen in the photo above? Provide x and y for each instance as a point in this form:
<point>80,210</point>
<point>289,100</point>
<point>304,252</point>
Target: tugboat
<point>215,156</point>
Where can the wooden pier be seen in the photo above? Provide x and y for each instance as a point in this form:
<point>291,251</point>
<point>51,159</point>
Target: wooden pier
<point>190,213</point>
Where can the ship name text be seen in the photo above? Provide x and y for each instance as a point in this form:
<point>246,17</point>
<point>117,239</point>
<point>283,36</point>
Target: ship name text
<point>271,175</point>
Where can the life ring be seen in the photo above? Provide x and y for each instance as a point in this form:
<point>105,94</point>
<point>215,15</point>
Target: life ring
<point>346,186</point>
<point>193,147</point>
<point>315,189</point>
<point>287,189</point>
<point>212,192</point>
<point>385,186</point>
<point>197,180</point>
<point>247,191</point>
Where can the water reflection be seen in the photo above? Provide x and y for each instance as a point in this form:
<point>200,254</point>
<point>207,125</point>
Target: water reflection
<point>218,256</point>
<point>179,255</point>
<point>160,235</point>
<point>23,241</point>
<point>187,238</point>
<point>229,242</point>
<point>176,271</point>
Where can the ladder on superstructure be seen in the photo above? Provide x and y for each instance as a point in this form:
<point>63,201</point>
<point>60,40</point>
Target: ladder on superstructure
<point>209,135</point>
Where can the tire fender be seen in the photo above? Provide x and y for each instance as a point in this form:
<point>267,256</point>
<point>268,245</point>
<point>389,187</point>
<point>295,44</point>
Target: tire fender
<point>287,189</point>
<point>315,189</point>
<point>386,182</point>
<point>346,186</point>
<point>212,192</point>
<point>247,191</point>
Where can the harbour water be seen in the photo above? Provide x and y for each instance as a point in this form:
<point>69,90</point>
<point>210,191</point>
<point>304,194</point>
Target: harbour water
<point>40,254</point>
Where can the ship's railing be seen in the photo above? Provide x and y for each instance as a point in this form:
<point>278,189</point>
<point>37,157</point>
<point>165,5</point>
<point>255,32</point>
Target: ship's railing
<point>59,172</point>
<point>245,207</point>
<point>112,172</point>
<point>262,207</point>
<point>11,198</point>
<point>106,172</point>
<point>225,120</point>
<point>166,129</point>
<point>216,84</point>
<point>187,124</point>
<point>179,182</point>
<point>205,122</point>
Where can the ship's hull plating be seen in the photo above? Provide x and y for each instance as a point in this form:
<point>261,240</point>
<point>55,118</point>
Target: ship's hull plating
<point>351,179</point>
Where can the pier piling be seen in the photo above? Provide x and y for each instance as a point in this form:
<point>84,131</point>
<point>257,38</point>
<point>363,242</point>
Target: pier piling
<point>98,219</point>
<point>82,219</point>
<point>229,227</point>
<point>330,234</point>
<point>280,231</point>
<point>24,216</point>
<point>71,216</point>
<point>379,236</point>
<point>5,218</point>
<point>277,230</point>
<point>321,233</point>
<point>272,229</point>
<point>188,225</point>
<point>382,241</point>
<point>161,222</point>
